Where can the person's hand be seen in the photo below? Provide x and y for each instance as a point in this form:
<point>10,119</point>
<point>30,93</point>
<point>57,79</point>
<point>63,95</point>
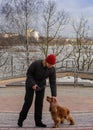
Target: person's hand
<point>34,87</point>
<point>54,98</point>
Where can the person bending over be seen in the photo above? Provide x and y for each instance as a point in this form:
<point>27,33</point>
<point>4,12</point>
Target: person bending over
<point>37,74</point>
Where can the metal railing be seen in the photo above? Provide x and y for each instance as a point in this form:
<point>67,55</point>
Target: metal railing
<point>17,67</point>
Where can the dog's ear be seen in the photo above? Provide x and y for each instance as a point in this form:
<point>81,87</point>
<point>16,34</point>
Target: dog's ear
<point>47,97</point>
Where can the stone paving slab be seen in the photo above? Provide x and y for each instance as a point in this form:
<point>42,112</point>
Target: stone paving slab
<point>82,120</point>
<point>76,99</point>
<point>79,100</point>
<point>88,128</point>
<point>3,83</point>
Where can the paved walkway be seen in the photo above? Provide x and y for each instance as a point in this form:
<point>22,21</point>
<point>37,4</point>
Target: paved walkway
<point>79,100</point>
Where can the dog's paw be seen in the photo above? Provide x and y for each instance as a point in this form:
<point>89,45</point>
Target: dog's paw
<point>72,123</point>
<point>54,126</point>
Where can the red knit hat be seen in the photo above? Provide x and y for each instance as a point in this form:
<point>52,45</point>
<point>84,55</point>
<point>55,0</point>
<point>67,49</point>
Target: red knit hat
<point>51,59</point>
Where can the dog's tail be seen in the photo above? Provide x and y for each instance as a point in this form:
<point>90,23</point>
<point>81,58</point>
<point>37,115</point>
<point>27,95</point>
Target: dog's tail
<point>69,118</point>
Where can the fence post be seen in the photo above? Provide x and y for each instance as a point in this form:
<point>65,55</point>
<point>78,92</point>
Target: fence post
<point>75,74</point>
<point>12,74</point>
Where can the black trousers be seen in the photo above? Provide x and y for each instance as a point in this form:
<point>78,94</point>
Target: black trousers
<point>39,96</point>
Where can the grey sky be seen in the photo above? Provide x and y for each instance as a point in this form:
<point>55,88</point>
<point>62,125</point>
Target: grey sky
<point>76,8</point>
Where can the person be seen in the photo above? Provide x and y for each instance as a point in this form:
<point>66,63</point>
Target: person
<point>37,74</point>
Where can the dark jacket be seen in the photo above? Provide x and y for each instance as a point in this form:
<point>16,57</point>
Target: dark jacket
<point>37,74</point>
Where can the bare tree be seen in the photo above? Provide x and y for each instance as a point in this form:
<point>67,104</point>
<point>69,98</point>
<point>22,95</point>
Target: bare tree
<point>19,16</point>
<point>3,57</point>
<point>82,49</point>
<point>53,24</point>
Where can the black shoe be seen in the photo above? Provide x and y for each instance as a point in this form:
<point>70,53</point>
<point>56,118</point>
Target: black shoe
<point>20,124</point>
<point>40,124</point>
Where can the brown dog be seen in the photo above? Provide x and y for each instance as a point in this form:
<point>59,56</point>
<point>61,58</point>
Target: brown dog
<point>59,113</point>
